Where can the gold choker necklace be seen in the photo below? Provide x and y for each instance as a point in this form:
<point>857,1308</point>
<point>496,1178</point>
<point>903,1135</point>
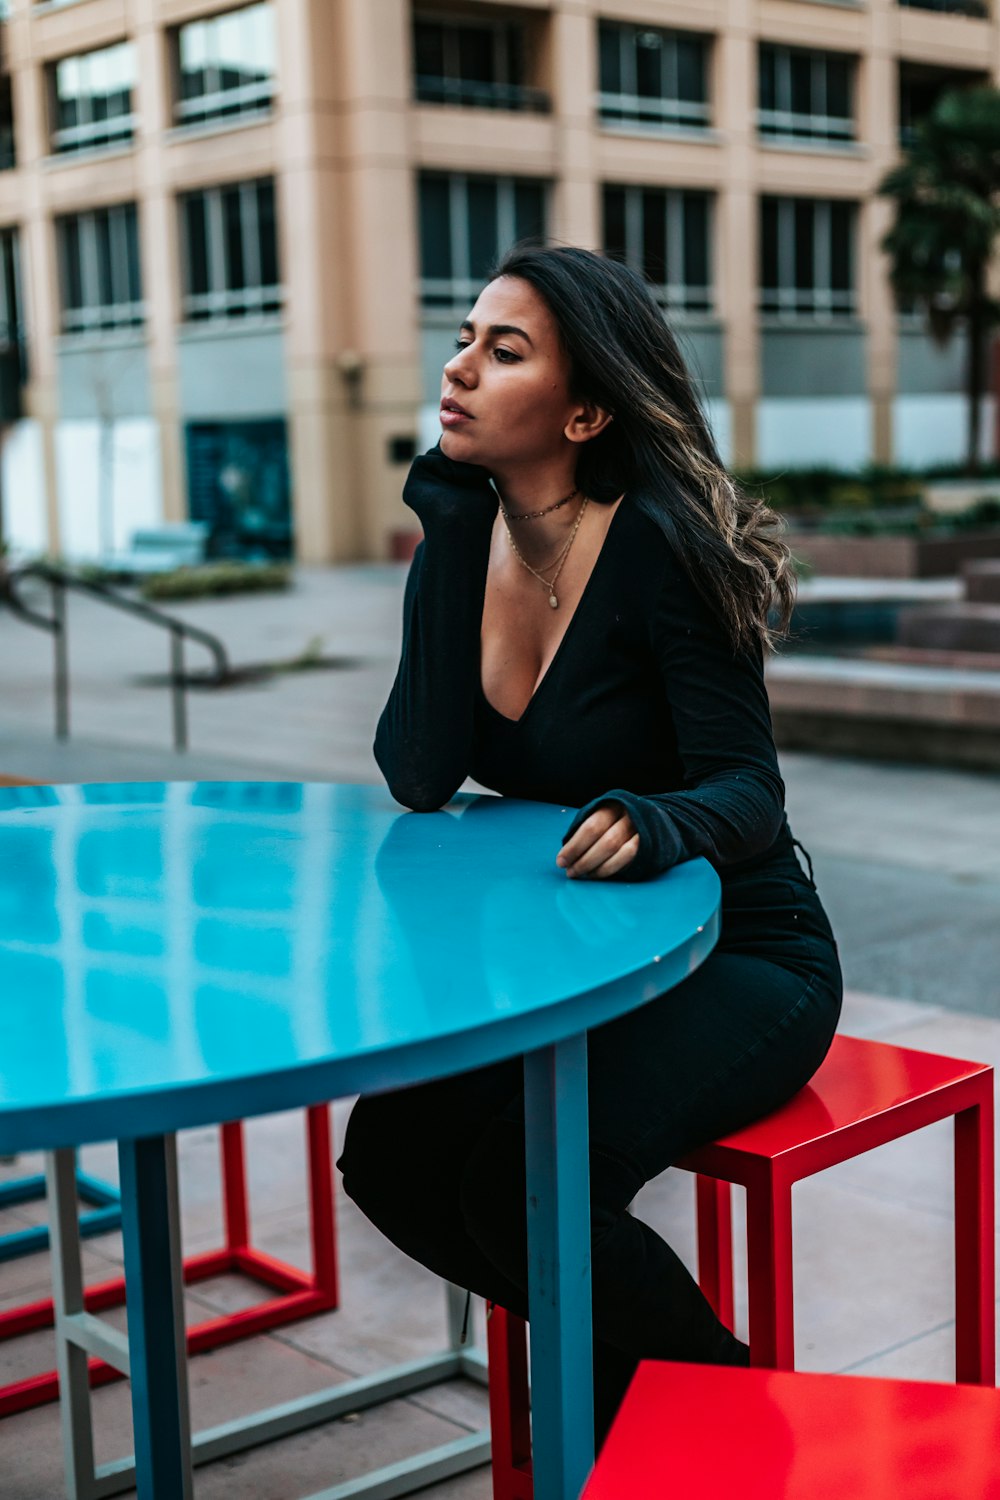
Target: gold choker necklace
<point>530,515</point>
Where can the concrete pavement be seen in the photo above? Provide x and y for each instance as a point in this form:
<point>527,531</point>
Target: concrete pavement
<point>908,863</point>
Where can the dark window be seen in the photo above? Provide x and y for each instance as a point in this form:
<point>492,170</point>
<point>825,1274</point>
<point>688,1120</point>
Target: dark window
<point>225,65</point>
<point>651,77</point>
<point>664,234</point>
<point>435,227</point>
<point>805,95</point>
<point>92,99</point>
<point>231,251</point>
<point>13,360</point>
<point>479,64</point>
<point>466,221</point>
<point>976,8</point>
<point>8,156</point>
<point>100,273</point>
<point>807,257</point>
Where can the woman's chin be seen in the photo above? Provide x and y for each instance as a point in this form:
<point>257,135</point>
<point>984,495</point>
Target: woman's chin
<point>456,445</point>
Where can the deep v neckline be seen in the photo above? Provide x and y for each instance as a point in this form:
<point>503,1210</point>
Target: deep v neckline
<point>562,639</point>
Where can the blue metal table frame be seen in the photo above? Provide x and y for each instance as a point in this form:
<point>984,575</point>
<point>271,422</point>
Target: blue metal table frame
<point>197,952</point>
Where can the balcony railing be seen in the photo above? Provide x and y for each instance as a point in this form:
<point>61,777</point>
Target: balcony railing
<point>477,95</point>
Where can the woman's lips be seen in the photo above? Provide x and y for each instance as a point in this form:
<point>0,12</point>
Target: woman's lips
<point>452,418</point>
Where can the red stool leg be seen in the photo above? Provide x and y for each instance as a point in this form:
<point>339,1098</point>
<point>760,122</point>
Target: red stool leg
<point>975,1329</point>
<point>510,1424</point>
<point>769,1274</point>
<point>322,1220</point>
<point>715,1245</point>
<point>234,1186</point>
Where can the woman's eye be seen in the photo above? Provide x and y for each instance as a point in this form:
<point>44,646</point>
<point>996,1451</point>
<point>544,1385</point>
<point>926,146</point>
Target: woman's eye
<point>505,356</point>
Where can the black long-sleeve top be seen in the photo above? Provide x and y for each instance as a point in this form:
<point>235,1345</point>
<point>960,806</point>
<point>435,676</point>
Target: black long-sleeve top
<point>644,703</point>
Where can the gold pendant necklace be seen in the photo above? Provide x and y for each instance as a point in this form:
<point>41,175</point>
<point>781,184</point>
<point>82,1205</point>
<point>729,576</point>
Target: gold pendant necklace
<point>551,586</point>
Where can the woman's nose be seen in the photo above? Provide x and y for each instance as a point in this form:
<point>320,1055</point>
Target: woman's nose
<point>460,368</point>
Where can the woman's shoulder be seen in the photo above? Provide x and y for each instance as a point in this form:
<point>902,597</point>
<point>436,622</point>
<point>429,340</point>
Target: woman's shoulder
<point>653,558</point>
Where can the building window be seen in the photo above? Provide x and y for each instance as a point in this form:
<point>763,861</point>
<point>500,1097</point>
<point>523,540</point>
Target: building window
<point>807,257</point>
<point>475,63</point>
<point>465,223</point>
<point>230,244</point>
<point>665,234</point>
<point>805,96</point>
<point>10,294</point>
<point>8,156</point>
<point>225,66</point>
<point>13,364</point>
<point>978,8</point>
<point>921,88</point>
<point>652,77</point>
<point>99,269</point>
<point>92,99</point>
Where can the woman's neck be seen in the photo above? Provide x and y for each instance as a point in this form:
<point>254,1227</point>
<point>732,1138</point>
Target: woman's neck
<point>540,539</point>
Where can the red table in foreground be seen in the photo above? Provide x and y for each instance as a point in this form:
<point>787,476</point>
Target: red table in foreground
<point>725,1434</point>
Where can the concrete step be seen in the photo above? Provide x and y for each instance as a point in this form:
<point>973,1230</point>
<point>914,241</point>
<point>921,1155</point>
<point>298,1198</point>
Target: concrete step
<point>934,715</point>
<point>982,581</point>
<point>950,627</point>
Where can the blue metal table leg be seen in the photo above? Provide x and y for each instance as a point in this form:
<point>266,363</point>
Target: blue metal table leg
<point>557,1162</point>
<point>155,1321</point>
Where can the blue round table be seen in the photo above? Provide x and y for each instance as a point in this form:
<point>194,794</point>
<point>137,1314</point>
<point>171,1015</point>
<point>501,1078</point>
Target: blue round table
<point>181,954</point>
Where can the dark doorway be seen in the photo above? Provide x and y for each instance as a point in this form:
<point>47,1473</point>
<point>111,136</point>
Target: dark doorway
<point>238,483</point>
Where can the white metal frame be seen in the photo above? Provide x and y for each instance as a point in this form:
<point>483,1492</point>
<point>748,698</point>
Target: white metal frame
<point>80,1334</point>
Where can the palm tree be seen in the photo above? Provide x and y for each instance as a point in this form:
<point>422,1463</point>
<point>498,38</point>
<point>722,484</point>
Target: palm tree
<point>947,192</point>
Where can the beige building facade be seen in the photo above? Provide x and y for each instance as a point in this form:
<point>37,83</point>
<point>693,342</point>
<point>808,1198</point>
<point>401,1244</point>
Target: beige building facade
<point>236,242</point>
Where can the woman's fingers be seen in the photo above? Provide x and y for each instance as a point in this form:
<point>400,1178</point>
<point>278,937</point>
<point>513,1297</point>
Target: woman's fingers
<point>609,851</point>
<point>625,855</point>
<point>588,833</point>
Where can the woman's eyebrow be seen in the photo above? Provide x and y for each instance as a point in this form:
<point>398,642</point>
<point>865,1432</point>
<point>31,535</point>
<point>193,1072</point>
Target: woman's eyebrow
<point>497,329</point>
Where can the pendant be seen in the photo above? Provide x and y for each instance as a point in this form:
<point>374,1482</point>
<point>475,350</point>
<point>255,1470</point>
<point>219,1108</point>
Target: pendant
<point>553,601</point>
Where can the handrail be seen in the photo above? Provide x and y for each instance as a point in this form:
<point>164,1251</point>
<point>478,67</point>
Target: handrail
<point>59,580</point>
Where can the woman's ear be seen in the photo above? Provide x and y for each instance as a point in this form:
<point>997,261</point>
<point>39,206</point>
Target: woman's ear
<point>586,422</point>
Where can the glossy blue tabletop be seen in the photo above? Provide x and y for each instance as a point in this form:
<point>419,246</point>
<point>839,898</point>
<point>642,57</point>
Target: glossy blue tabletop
<point>179,954</point>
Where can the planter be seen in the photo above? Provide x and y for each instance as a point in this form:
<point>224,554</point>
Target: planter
<point>892,556</point>
<point>403,543</point>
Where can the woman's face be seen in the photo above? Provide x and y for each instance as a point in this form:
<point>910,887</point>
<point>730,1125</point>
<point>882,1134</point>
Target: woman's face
<point>510,376</point>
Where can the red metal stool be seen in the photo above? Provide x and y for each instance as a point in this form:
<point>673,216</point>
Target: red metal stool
<point>864,1095</point>
<point>759,1434</point>
<point>302,1293</point>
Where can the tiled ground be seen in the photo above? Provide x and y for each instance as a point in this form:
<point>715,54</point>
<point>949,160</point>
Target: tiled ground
<point>873,1287</point>
<point>908,866</point>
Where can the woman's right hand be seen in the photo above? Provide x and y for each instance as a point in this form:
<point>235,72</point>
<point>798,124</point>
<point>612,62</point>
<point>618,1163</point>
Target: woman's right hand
<point>442,488</point>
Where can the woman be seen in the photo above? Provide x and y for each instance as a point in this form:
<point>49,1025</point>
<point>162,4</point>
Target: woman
<point>584,624</point>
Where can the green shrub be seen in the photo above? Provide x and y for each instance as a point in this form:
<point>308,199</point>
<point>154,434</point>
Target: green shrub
<point>211,580</point>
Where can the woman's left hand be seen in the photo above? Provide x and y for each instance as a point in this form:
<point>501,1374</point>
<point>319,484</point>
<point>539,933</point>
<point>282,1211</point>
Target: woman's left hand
<point>603,844</point>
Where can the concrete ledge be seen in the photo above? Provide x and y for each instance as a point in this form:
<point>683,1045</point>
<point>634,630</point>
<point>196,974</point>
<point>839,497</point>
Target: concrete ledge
<point>973,749</point>
<point>936,715</point>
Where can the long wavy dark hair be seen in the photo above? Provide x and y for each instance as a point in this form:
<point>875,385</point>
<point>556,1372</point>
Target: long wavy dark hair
<point>659,448</point>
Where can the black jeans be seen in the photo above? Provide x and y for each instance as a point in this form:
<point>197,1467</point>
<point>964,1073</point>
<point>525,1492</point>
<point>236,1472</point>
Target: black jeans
<point>439,1167</point>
